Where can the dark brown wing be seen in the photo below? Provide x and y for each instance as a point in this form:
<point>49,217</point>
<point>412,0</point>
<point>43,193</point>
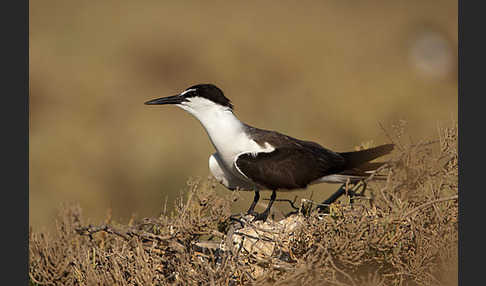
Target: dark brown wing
<point>296,163</point>
<point>289,167</point>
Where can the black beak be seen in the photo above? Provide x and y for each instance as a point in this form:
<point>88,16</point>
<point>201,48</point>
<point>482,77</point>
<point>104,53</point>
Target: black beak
<point>175,99</point>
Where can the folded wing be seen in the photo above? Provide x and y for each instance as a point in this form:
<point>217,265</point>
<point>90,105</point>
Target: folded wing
<point>288,167</point>
<point>297,165</point>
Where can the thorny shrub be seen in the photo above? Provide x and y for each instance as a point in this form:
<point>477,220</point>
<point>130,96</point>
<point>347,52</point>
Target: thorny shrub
<point>404,233</point>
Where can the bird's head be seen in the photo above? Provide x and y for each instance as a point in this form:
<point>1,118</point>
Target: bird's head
<point>197,100</point>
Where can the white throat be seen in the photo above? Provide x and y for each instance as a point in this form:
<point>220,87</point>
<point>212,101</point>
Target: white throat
<point>225,130</point>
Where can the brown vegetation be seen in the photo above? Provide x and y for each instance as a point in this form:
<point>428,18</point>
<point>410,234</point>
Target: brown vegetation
<point>404,233</point>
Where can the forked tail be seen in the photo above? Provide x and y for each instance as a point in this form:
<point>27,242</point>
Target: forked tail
<point>358,158</point>
<point>357,162</point>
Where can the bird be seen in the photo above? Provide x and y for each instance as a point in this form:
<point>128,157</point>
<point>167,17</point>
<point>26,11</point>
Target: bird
<point>254,159</point>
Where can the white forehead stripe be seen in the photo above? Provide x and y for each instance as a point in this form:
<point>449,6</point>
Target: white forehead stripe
<point>189,90</point>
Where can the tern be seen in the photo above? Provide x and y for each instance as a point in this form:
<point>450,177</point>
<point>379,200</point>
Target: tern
<point>253,159</point>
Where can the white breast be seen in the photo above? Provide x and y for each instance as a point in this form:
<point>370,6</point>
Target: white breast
<point>226,177</point>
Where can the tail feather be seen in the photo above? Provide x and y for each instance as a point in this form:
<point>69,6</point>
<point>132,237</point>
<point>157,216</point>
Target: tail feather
<point>370,166</point>
<point>358,167</point>
<point>359,173</point>
<point>361,158</point>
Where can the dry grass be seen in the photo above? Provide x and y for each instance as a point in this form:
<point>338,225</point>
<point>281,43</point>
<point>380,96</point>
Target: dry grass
<point>405,234</point>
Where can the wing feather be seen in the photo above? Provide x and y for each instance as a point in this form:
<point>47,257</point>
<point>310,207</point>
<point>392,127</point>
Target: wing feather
<point>289,167</point>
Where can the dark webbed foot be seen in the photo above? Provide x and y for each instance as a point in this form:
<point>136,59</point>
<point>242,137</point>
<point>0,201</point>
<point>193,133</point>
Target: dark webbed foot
<point>260,216</point>
<point>264,215</point>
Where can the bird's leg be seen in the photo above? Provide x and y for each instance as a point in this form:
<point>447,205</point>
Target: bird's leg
<point>251,210</point>
<point>324,206</point>
<point>264,215</point>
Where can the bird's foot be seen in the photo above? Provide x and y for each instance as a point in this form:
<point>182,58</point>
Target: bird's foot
<point>238,218</point>
<point>259,216</point>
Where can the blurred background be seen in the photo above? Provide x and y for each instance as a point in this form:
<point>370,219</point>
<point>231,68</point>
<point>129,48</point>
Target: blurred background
<point>326,71</point>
